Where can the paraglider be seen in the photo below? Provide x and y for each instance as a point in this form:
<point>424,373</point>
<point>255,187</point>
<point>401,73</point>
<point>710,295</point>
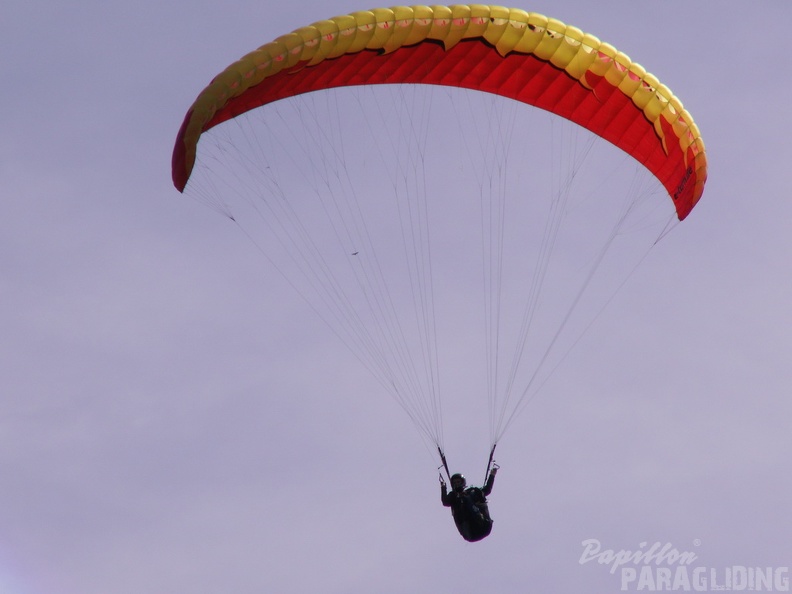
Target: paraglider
<point>389,303</point>
<point>469,506</point>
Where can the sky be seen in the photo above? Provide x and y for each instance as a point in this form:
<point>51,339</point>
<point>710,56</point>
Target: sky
<point>171,420</point>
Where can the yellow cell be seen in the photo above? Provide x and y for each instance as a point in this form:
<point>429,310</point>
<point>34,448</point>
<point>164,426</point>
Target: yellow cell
<point>366,24</point>
<point>499,20</point>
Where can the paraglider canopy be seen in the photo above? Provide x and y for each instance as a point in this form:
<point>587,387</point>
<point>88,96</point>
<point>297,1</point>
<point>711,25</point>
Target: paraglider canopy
<point>510,52</point>
<point>347,265</point>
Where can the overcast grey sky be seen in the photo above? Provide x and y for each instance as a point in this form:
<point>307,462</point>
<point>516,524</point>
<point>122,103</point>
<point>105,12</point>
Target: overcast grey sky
<point>172,422</point>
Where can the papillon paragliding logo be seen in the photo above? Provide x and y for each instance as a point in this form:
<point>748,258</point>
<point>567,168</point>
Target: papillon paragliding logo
<point>662,567</point>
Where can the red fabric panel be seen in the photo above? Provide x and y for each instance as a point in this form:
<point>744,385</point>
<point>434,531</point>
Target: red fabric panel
<point>474,64</point>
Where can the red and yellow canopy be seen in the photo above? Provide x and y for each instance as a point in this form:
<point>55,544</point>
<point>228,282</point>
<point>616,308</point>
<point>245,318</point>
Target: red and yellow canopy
<point>525,56</point>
